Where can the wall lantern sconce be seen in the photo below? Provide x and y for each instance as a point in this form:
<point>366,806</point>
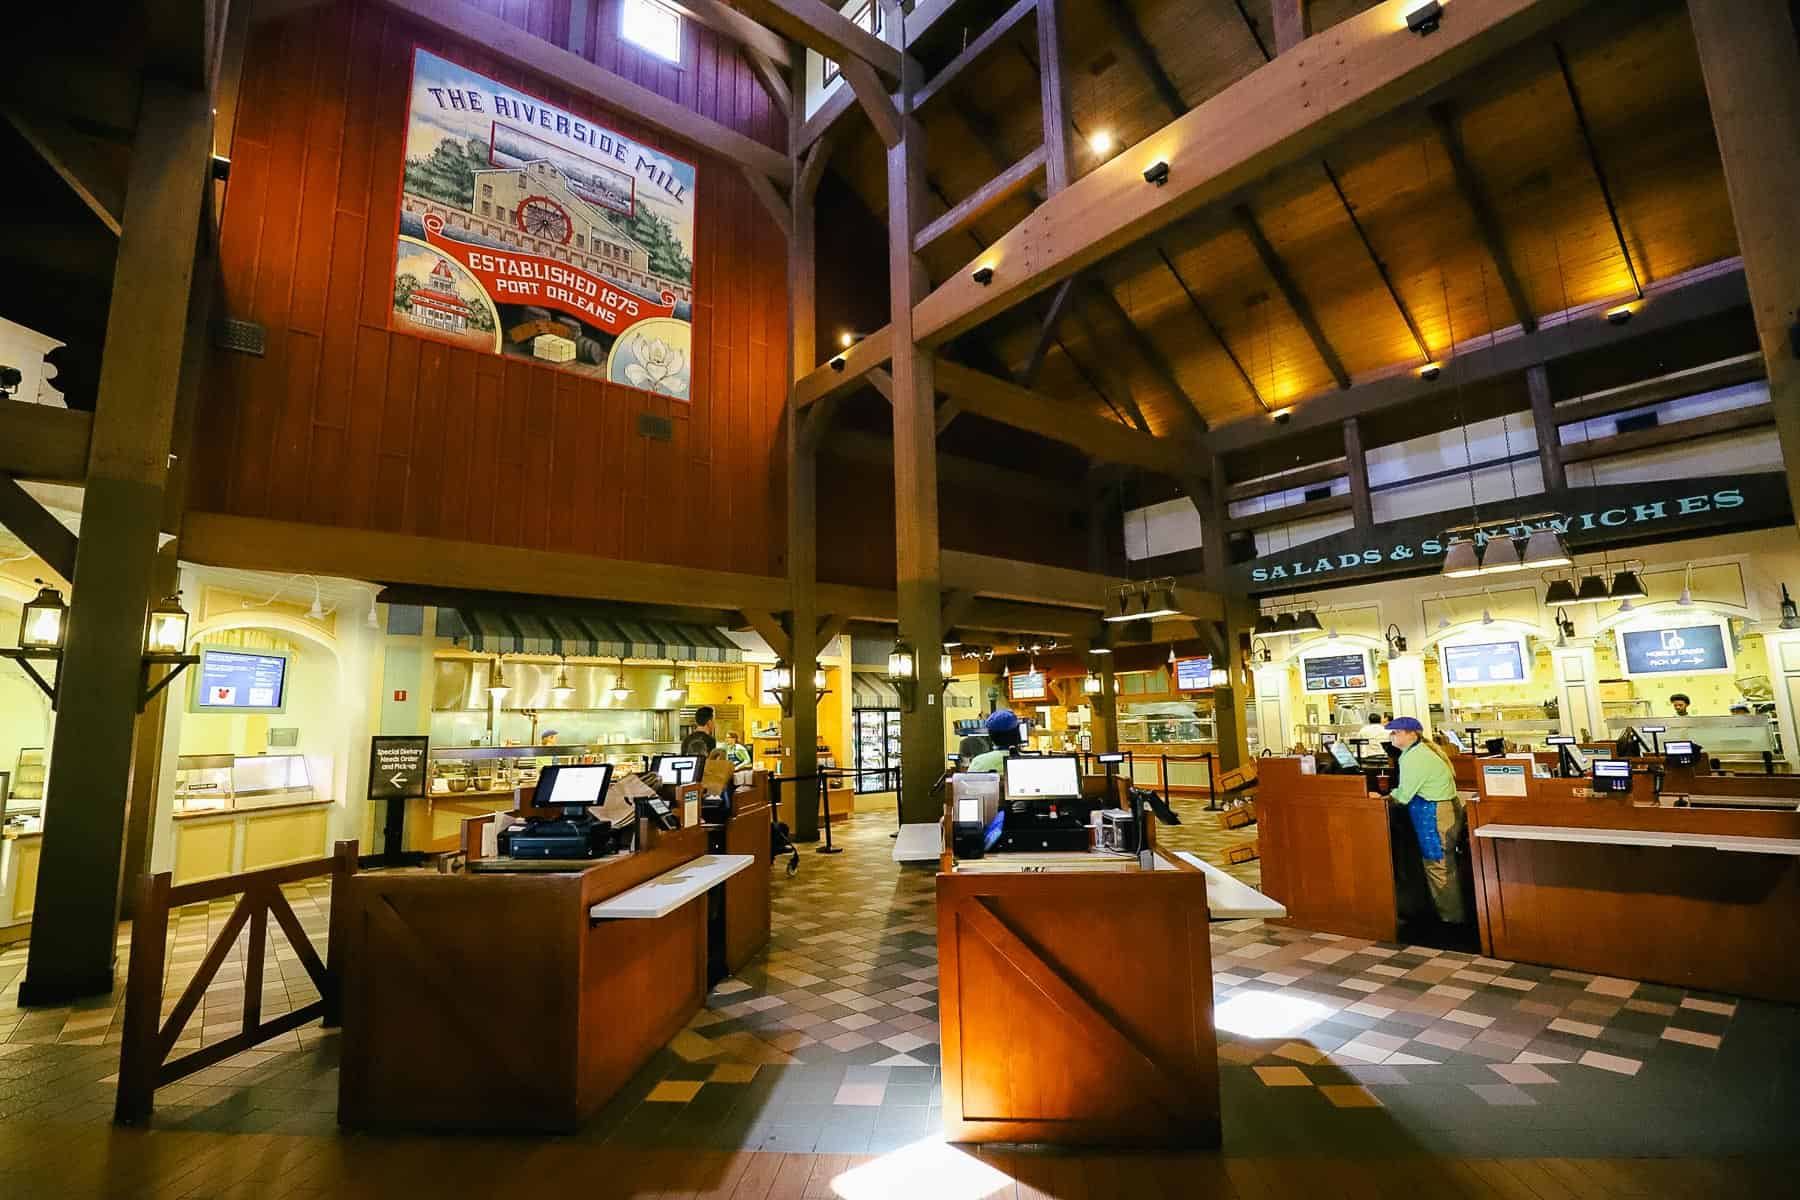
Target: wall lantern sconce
<point>43,627</point>
<point>946,671</point>
<point>165,644</point>
<point>1396,642</point>
<point>778,681</point>
<point>1091,685</point>
<point>903,672</point>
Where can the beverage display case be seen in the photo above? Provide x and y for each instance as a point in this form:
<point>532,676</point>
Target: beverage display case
<point>877,749</point>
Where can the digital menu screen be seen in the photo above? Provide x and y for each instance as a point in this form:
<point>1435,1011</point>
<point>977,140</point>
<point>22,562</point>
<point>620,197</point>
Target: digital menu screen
<point>1486,662</point>
<point>1336,672</point>
<point>1675,651</point>
<point>239,681</point>
<point>1193,674</point>
<point>1026,686</point>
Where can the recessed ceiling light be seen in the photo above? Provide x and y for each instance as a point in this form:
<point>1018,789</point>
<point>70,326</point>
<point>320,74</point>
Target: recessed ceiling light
<point>1100,142</point>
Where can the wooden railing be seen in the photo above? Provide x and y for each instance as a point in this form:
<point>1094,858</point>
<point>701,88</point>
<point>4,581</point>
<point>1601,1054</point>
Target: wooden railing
<point>144,1063</point>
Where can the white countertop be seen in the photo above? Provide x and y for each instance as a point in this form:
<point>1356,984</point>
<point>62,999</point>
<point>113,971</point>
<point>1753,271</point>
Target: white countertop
<point>669,891</point>
<point>1229,898</point>
<point>1730,843</point>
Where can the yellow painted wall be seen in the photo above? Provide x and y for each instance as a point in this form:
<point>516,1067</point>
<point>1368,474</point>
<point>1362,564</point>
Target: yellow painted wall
<point>25,715</point>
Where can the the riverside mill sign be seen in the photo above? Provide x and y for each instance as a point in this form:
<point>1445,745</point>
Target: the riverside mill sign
<point>1610,517</point>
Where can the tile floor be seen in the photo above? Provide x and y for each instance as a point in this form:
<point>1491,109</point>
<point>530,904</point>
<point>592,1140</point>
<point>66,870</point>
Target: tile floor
<point>828,1046</point>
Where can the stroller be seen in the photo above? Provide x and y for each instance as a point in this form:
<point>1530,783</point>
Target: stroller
<point>781,842</point>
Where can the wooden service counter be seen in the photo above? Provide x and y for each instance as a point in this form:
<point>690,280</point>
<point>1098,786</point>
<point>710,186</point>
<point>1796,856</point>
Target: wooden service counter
<point>1326,851</point>
<point>496,1002</point>
<point>1695,897</point>
<point>746,893</point>
<point>1075,1001</point>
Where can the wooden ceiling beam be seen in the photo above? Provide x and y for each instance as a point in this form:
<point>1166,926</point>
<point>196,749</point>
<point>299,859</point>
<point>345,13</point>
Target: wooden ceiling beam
<point>1294,106</point>
<point>770,76</point>
<point>1153,358</point>
<point>1487,224</point>
<point>755,40</point>
<point>78,160</point>
<point>1581,332</point>
<point>984,42</point>
<point>1732,420</point>
<point>877,450</point>
<point>820,27</point>
<point>1109,374</point>
<point>44,443</point>
<point>880,108</point>
<point>1289,513</point>
<point>1727,372</point>
<point>1268,485</point>
<point>1009,404</point>
<point>1291,24</point>
<point>506,41</point>
<point>1053,316</point>
<point>986,198</point>
<point>1212,327</point>
<point>31,523</point>
<point>1290,290</point>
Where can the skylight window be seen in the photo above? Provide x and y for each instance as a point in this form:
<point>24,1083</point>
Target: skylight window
<point>652,26</point>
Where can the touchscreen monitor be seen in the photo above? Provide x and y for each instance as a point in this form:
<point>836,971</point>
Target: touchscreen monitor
<point>676,768</point>
<point>1342,754</point>
<point>1047,777</point>
<point>573,786</point>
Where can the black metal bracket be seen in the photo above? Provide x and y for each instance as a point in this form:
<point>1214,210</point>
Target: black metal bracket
<point>149,691</point>
<point>25,657</point>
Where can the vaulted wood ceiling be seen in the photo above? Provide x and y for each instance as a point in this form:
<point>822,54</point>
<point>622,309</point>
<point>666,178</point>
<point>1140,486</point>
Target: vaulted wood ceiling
<point>1631,64</point>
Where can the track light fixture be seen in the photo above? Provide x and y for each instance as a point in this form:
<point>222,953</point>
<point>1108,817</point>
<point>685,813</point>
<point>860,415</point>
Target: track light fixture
<point>837,364</point>
<point>1425,18</point>
<point>1619,315</point>
<point>984,275</point>
<point>1157,173</point>
<point>1430,371</point>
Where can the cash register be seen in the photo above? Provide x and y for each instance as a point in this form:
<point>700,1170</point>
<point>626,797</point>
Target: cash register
<point>573,789</point>
<point>1610,776</point>
<point>1042,804</point>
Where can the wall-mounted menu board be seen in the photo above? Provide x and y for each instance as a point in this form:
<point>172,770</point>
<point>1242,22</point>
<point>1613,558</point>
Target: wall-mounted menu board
<point>1337,672</point>
<point>240,681</point>
<point>1475,663</point>
<point>1028,685</point>
<point>1193,674</point>
<point>1680,650</point>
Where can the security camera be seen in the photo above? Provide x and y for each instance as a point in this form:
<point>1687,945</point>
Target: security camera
<point>1157,173</point>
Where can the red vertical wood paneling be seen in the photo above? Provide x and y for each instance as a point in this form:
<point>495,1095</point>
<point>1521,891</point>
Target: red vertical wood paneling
<point>345,421</point>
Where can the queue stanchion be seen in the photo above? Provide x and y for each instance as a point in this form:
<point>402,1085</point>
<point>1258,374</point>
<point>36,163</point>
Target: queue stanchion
<point>825,799</point>
<point>1212,781</point>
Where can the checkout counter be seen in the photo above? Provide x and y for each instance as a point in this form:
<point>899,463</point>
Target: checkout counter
<point>1074,965</point>
<point>522,994</point>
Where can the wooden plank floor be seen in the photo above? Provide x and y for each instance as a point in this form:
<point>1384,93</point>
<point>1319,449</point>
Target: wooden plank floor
<point>54,1162</point>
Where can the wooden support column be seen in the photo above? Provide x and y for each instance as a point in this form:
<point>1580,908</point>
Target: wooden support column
<point>1362,511</point>
<point>800,735</point>
<point>1549,434</point>
<point>918,572</point>
<point>1230,701</point>
<point>1054,94</point>
<point>1106,706</point>
<point>1209,500</point>
<point>1750,59</point>
<point>1290,24</point>
<point>80,873</point>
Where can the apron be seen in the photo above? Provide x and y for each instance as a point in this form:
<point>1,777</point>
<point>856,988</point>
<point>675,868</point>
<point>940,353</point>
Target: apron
<point>1423,814</point>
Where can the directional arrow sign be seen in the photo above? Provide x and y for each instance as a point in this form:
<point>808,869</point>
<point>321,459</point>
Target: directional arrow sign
<point>397,767</point>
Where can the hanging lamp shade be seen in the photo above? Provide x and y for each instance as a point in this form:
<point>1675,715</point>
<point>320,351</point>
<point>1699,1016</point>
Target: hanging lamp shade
<point>1265,626</point>
<point>1307,622</point>
<point>1627,586</point>
<point>1560,592</point>
<point>1545,549</point>
<point>1460,561</point>
<point>1592,591</point>
<point>1287,622</point>
<point>1501,557</point>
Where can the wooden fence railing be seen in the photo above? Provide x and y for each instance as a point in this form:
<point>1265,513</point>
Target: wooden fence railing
<point>144,1063</point>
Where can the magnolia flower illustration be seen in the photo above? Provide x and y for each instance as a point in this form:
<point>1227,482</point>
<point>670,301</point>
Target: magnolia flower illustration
<point>658,368</point>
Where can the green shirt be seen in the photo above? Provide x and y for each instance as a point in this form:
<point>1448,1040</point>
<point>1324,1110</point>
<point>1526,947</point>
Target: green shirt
<point>1423,773</point>
<point>990,760</point>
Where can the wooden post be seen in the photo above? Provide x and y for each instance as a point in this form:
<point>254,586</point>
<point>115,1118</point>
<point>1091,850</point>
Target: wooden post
<point>77,911</point>
<point>337,946</point>
<point>1751,62</point>
<point>1054,93</point>
<point>1290,24</point>
<point>139,1054</point>
<point>1208,499</point>
<point>917,574</point>
<point>147,754</point>
<point>1362,510</point>
<point>1549,435</point>
<point>802,730</point>
<point>1106,707</point>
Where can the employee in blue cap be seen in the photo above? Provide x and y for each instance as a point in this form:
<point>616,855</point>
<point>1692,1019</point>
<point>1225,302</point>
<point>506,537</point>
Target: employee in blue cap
<point>1427,790</point>
<point>1004,731</point>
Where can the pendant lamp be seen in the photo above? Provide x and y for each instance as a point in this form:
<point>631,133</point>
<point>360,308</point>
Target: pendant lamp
<point>1627,586</point>
<point>1265,626</point>
<point>1545,549</point>
<point>1460,561</point>
<point>1560,592</point>
<point>1592,591</point>
<point>1287,623</point>
<point>1307,622</point>
<point>1501,557</point>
